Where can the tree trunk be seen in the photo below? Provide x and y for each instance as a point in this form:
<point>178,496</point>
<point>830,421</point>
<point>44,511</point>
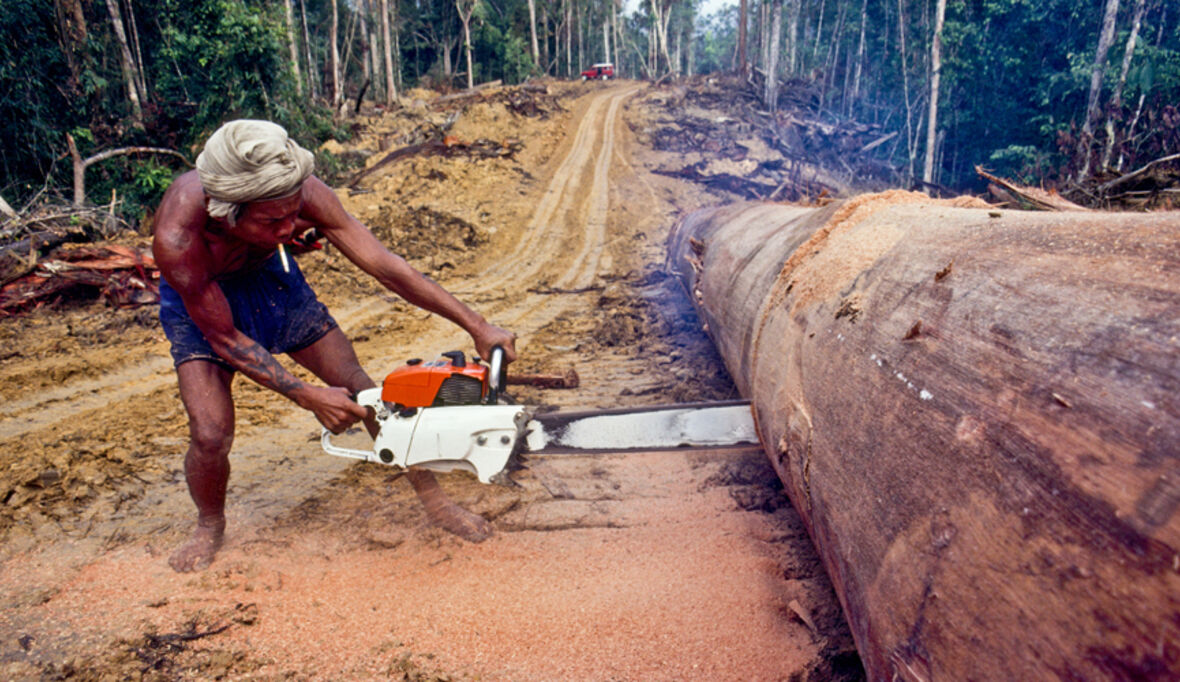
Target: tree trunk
<point>294,48</point>
<point>362,11</point>
<point>312,81</point>
<point>533,32</point>
<point>793,38</point>
<point>776,29</point>
<point>137,55</point>
<point>977,418</point>
<point>333,37</point>
<point>1105,38</point>
<point>860,53</point>
<point>390,85</point>
<point>905,86</point>
<point>466,8</point>
<point>1116,98</point>
<point>606,40</point>
<point>741,46</point>
<point>620,53</point>
<point>71,31</point>
<point>545,62</point>
<point>819,30</point>
<point>127,64</point>
<point>935,74</point>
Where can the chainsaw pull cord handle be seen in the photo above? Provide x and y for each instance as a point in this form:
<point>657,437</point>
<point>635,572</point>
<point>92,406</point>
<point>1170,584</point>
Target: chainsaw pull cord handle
<point>496,375</point>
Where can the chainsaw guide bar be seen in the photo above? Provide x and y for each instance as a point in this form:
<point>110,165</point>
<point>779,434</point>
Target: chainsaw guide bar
<point>420,426</point>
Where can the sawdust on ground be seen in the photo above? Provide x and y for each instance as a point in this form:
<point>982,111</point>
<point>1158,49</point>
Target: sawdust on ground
<point>658,566</point>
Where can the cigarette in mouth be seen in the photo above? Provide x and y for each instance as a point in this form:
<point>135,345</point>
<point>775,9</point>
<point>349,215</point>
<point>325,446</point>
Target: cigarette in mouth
<point>283,257</point>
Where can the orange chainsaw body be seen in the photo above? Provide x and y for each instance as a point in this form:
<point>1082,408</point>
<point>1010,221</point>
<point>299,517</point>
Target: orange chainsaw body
<point>449,380</point>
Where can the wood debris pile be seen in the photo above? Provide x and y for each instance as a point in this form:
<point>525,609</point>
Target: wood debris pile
<point>735,144</point>
<point>530,99</point>
<point>41,259</point>
<point>124,276</point>
<point>1154,185</point>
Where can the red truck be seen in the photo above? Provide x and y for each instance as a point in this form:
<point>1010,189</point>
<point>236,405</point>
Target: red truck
<point>604,71</point>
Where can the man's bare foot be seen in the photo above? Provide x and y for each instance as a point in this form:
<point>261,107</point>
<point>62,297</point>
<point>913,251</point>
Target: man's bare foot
<point>198,552</point>
<point>445,513</point>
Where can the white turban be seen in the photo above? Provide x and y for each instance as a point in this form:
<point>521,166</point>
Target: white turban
<point>250,161</point>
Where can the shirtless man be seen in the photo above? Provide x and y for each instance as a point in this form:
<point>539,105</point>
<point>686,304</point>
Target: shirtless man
<point>230,302</point>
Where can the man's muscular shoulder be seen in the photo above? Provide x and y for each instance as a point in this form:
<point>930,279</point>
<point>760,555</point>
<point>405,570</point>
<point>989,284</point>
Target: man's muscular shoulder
<point>182,211</point>
<point>178,241</point>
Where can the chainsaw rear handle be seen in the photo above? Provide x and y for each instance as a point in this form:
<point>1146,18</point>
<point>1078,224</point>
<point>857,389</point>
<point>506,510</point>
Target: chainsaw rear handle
<point>496,374</point>
<point>370,397</point>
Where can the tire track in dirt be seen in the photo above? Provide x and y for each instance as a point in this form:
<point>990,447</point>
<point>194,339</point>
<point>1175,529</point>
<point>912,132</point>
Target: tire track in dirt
<point>565,241</point>
<point>66,402</point>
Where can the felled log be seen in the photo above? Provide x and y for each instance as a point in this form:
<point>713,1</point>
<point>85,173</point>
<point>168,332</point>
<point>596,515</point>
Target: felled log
<point>977,414</point>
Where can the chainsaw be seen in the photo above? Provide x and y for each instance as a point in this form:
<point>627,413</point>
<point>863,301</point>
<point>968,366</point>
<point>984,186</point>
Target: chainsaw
<point>449,414</point>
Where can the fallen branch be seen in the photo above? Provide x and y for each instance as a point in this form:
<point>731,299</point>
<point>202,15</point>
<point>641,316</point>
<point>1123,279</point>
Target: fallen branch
<point>447,146</point>
<point>1124,179</point>
<point>1032,197</point>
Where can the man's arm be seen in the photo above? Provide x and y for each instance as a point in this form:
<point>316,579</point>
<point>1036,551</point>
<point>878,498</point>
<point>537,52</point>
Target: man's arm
<point>185,261</point>
<point>357,243</point>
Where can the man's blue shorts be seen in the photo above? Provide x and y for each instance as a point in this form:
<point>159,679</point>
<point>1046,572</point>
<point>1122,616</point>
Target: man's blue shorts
<point>275,308</point>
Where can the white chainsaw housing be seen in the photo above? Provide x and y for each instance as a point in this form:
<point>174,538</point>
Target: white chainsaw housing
<point>474,438</point>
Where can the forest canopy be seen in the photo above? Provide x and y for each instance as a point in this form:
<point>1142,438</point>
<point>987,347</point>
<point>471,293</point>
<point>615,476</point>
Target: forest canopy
<point>1046,92</point>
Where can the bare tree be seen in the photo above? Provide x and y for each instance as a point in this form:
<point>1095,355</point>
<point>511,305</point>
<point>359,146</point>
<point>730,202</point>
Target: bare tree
<point>741,46</point>
<point>133,95</point>
<point>606,38</point>
<point>860,52</point>
<point>390,85</point>
<point>905,86</point>
<point>1116,98</point>
<point>1105,38</point>
<point>793,37</point>
<point>776,29</point>
<point>533,32</point>
<point>333,37</point>
<point>374,53</point>
<point>312,82</point>
<point>466,8</point>
<point>935,74</point>
<point>294,48</point>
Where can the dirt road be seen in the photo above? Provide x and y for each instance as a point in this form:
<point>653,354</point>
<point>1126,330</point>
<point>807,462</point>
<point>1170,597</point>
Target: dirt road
<point>656,566</point>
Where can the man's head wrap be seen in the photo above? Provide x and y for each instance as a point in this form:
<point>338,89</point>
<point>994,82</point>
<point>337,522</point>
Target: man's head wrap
<point>250,161</point>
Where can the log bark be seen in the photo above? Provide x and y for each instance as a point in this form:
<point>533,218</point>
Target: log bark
<point>977,414</point>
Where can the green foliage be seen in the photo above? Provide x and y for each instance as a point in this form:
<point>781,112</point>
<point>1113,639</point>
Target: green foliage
<point>716,40</point>
<point>151,179</point>
<point>1025,163</point>
<point>232,56</point>
<point>501,54</point>
<point>36,99</point>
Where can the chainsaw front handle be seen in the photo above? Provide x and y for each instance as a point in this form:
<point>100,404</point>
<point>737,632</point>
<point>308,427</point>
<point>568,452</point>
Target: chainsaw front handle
<point>496,372</point>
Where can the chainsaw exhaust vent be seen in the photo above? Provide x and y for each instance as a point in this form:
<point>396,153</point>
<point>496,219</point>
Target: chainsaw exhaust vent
<point>458,389</point>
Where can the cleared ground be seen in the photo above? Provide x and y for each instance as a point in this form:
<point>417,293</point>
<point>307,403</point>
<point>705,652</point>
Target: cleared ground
<point>686,565</point>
